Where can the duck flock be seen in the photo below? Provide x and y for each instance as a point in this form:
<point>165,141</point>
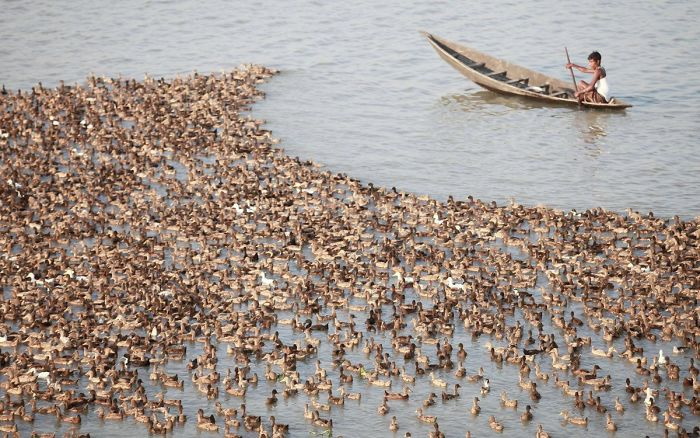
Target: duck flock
<point>163,263</point>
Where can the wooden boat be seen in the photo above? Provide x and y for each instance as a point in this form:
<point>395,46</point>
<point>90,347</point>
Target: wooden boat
<point>504,77</point>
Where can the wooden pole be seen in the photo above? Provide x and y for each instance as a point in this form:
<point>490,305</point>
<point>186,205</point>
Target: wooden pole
<point>568,60</point>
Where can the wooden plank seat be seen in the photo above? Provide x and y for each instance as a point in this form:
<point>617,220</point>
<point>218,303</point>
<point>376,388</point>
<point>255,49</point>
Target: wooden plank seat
<point>499,73</point>
<point>516,82</point>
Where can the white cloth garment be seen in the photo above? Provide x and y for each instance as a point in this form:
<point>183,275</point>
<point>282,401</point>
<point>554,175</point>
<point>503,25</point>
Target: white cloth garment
<point>601,86</point>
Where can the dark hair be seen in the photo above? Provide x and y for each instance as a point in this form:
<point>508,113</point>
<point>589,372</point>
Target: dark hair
<point>594,55</point>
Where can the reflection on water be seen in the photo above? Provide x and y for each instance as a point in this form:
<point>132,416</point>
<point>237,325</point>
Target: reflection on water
<point>484,100</point>
<point>593,125</point>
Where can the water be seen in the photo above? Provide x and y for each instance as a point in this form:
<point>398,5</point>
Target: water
<point>361,92</point>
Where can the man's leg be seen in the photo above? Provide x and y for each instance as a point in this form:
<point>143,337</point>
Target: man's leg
<point>580,87</point>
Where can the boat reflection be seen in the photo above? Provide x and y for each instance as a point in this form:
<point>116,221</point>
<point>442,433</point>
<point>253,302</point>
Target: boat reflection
<point>481,99</point>
<point>592,125</point>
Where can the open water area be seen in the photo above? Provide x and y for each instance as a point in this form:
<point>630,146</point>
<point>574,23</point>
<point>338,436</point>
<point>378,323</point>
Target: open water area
<point>362,93</point>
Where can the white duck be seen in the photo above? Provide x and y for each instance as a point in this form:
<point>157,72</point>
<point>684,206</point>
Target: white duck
<point>649,399</point>
<point>266,281</point>
<point>455,286</point>
<point>485,387</point>
<point>662,358</point>
<point>401,279</point>
<point>44,375</point>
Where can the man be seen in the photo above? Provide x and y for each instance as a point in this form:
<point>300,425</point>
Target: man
<point>597,91</point>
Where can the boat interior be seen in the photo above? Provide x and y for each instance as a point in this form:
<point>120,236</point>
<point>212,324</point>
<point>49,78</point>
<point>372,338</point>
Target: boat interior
<point>523,83</point>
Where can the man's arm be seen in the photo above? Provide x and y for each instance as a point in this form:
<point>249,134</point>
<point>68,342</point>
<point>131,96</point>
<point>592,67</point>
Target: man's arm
<point>590,86</point>
<point>580,68</point>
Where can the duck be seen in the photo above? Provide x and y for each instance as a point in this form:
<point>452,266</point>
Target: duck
<point>540,374</point>
<point>495,425</point>
<point>461,371</point>
<point>662,358</point>
<point>586,374</point>
<point>227,412</point>
<point>394,425</point>
<point>540,432</point>
<point>430,401</point>
<point>9,429</point>
<point>73,419</point>
<point>320,406</point>
<point>476,377</point>
<point>350,395</point>
<point>609,424</point>
<point>308,414</point>
<point>278,429</point>
<point>250,422</point>
<point>266,282</point>
<point>461,352</point>
<point>649,397</point>
<point>651,415</point>
<point>437,382</point>
<point>425,418</point>
<point>475,406</point>
<point>119,415</point>
<point>618,406</point>
<point>603,353</point>
<point>321,422</point>
<point>485,387</point>
<point>508,403</point>
<point>579,421</point>
<point>527,415</point>
<point>436,432</point>
<point>236,392</point>
<point>273,398</point>
<point>383,408</point>
<point>181,418</point>
<point>403,395</point>
<point>340,401</point>
<point>454,395</point>
<point>668,424</point>
<point>207,423</point>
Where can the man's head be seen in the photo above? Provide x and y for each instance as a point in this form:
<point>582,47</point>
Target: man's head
<point>594,59</point>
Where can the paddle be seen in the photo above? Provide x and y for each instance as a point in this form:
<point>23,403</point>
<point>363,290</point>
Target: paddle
<point>568,60</point>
